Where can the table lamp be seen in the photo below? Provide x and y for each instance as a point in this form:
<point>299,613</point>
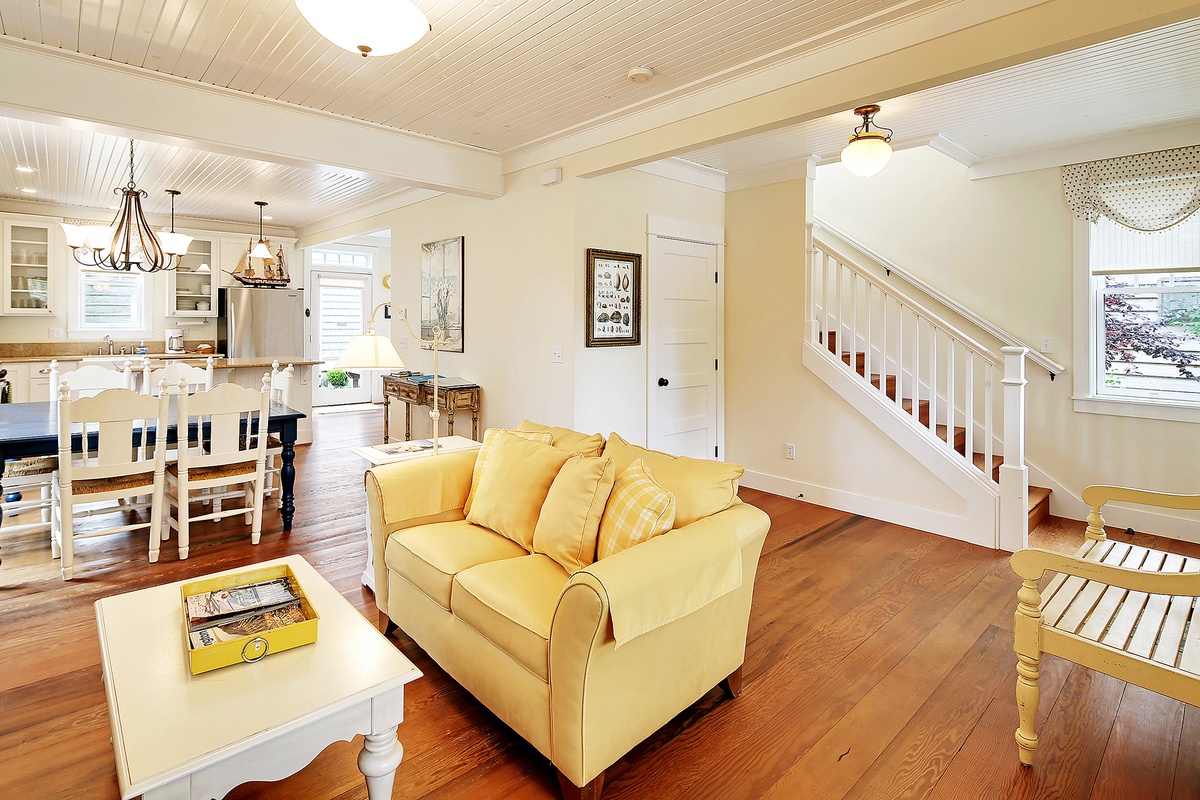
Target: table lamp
<point>373,351</point>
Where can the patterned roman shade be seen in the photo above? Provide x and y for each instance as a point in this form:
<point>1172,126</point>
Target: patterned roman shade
<point>1146,192</point>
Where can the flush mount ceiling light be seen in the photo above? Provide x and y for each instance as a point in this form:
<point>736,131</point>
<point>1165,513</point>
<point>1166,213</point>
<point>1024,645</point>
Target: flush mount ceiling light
<point>25,169</point>
<point>368,27</point>
<point>129,241</point>
<point>869,150</point>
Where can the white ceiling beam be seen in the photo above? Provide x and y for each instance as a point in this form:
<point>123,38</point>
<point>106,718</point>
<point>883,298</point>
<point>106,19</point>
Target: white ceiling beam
<point>50,85</point>
<point>957,41</point>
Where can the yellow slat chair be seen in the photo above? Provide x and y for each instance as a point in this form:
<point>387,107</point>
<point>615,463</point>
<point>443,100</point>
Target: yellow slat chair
<point>111,463</point>
<point>231,456</point>
<point>1121,609</point>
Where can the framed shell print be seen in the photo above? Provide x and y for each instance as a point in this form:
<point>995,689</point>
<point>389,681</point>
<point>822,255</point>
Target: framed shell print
<point>614,299</point>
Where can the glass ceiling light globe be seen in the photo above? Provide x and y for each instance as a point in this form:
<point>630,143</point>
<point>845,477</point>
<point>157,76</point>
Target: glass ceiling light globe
<point>369,27</point>
<point>866,154</point>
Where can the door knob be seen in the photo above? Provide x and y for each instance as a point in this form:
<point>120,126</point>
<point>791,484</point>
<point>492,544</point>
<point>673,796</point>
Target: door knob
<point>663,381</point>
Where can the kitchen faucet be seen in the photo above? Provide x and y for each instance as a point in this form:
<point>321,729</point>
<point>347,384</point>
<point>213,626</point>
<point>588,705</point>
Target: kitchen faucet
<point>111,344</point>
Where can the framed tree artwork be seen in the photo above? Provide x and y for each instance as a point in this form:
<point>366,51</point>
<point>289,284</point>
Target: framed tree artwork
<point>614,299</point>
<point>442,291</point>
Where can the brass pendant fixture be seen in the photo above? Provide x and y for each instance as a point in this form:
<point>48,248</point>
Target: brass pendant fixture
<point>129,242</point>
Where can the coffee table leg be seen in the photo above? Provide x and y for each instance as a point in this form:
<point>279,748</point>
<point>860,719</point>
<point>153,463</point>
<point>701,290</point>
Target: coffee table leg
<point>380,756</point>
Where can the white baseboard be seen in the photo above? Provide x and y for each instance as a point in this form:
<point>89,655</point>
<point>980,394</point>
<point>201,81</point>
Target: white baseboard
<point>922,519</point>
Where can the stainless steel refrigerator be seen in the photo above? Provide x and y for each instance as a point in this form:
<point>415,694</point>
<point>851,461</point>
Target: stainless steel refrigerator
<point>261,323</point>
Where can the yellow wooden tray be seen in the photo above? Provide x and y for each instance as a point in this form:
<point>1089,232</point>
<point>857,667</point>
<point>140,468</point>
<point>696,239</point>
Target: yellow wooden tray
<point>248,649</point>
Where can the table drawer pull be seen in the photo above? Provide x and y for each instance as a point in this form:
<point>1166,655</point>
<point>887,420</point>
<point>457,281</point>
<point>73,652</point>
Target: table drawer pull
<point>255,643</point>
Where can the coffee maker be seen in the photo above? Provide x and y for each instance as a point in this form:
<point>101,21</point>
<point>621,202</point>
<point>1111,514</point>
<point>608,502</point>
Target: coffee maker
<point>174,340</point>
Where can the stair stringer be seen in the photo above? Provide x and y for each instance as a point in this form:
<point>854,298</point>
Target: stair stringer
<point>981,524</point>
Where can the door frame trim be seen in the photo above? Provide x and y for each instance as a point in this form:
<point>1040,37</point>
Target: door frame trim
<point>700,233</point>
<point>313,301</point>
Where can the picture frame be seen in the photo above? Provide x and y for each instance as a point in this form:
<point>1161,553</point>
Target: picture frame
<point>442,291</point>
<point>614,299</point>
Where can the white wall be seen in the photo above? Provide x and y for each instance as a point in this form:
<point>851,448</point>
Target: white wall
<point>611,214</point>
<point>1003,247</point>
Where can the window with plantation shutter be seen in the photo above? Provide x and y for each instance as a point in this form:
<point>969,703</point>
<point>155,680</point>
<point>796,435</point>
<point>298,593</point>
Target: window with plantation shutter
<point>111,300</point>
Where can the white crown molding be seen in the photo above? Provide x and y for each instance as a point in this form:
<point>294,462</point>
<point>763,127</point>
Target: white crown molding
<point>365,212</point>
<point>71,89</point>
<point>684,171</point>
<point>817,58</point>
<point>1147,140</point>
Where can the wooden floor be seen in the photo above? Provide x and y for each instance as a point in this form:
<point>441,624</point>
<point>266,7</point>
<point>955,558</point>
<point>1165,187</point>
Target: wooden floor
<point>879,665</point>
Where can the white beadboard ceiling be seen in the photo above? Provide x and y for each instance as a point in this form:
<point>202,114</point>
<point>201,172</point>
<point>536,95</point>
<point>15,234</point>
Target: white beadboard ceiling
<point>508,74</point>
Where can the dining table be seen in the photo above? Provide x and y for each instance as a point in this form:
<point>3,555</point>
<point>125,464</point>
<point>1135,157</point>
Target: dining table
<point>31,429</point>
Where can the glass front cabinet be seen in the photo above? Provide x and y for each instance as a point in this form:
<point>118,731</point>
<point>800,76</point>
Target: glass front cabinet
<point>192,286</point>
<point>28,280</point>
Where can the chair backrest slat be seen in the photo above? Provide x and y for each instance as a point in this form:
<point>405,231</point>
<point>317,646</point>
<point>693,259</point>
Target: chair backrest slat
<point>197,379</point>
<point>234,416</point>
<point>91,379</point>
<point>116,420</point>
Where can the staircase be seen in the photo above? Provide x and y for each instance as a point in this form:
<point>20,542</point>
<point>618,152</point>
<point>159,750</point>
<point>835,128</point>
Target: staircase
<point>927,384</point>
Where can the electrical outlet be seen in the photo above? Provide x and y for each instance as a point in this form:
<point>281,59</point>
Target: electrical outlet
<point>55,333</point>
<point>556,355</point>
<point>789,452</point>
<point>1047,345</point>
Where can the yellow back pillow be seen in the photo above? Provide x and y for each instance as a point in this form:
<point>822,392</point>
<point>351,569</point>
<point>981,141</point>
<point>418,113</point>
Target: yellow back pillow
<point>570,519</point>
<point>569,440</point>
<point>701,487</point>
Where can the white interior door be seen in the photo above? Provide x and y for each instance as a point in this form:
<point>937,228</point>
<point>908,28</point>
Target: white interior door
<point>341,303</point>
<point>683,338</point>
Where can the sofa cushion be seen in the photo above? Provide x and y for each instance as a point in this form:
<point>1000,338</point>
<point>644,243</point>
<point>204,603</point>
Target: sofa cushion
<point>513,486</point>
<point>570,519</point>
<point>429,556</point>
<point>638,509</point>
<point>485,453</point>
<point>511,604</point>
<point>701,487</point>
<point>567,439</point>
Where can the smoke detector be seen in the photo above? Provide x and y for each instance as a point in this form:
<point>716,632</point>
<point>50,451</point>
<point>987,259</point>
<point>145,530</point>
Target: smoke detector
<point>641,74</point>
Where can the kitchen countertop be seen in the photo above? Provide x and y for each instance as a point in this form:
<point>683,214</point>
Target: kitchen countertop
<point>196,359</point>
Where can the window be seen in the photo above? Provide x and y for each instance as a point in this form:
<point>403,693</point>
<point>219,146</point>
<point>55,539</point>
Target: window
<point>1144,293</point>
<point>111,301</point>
<point>341,258</point>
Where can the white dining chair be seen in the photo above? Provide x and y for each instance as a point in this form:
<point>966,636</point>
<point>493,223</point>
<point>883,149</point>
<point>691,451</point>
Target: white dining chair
<point>197,379</point>
<point>109,464</point>
<point>232,421</point>
<point>280,381</point>
<point>33,476</point>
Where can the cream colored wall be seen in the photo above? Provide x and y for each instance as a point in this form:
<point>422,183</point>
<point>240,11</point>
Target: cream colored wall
<point>773,399</point>
<point>1002,246</point>
<point>610,214</point>
<point>519,295</point>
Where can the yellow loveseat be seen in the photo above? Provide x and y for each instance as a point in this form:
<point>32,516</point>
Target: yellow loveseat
<point>582,664</point>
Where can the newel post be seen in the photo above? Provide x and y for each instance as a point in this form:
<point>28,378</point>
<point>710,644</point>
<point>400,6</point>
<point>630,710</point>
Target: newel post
<point>1014,475</point>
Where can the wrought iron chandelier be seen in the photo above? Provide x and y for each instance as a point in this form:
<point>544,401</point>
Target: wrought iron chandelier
<point>129,242</point>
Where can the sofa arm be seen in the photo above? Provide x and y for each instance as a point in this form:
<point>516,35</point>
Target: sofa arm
<point>604,698</point>
<point>409,493</point>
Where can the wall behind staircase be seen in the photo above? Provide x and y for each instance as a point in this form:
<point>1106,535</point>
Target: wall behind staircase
<point>842,460</point>
<point>1003,247</point>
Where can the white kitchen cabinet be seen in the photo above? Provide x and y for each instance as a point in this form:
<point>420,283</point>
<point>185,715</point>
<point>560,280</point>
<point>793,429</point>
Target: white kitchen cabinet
<point>192,286</point>
<point>30,261</point>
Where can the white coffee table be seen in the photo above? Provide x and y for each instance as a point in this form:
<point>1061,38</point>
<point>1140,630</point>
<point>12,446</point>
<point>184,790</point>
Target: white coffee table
<point>375,456</point>
<point>179,736</point>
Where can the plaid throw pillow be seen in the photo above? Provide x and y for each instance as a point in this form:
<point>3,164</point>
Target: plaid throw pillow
<point>638,509</point>
<point>489,440</point>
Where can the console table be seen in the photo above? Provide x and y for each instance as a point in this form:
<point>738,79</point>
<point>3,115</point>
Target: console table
<point>454,394</point>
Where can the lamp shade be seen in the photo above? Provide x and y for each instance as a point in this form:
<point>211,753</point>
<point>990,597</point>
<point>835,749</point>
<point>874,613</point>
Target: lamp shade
<point>370,351</point>
<point>369,27</point>
<point>260,250</point>
<point>866,154</point>
<point>174,244</point>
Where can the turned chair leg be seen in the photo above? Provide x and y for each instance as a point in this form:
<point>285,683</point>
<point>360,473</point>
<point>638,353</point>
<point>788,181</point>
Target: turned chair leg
<point>589,792</point>
<point>1027,624</point>
<point>732,685</point>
